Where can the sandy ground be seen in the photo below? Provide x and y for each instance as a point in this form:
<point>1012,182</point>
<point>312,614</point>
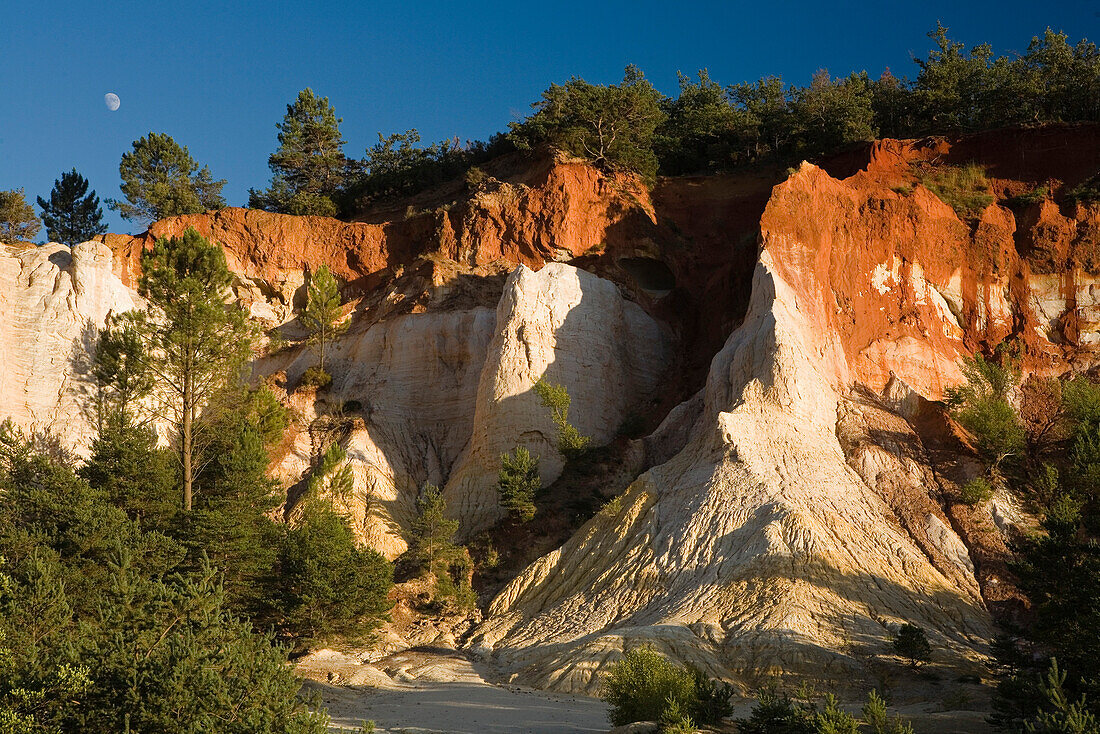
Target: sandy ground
<point>437,691</point>
<point>442,691</point>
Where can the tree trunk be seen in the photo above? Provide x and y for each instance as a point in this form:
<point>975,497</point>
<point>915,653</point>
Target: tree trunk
<point>187,425</point>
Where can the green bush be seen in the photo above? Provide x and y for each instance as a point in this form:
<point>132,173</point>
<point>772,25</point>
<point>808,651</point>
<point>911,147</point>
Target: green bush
<point>776,713</point>
<point>976,491</point>
<point>571,444</point>
<point>612,125</point>
<point>644,685</point>
<point>964,188</point>
<point>315,377</point>
<point>1037,195</point>
<point>475,177</point>
<point>327,587</point>
<point>1086,192</point>
<point>911,643</point>
<point>518,482</point>
<point>981,406</point>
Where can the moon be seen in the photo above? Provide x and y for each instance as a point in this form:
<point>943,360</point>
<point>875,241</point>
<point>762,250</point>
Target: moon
<point>112,101</point>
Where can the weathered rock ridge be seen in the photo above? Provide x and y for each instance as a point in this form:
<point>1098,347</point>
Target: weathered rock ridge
<point>780,345</point>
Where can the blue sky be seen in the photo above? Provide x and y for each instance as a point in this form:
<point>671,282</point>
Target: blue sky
<point>217,76</point>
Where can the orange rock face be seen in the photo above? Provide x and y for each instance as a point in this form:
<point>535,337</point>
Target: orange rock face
<point>908,287</point>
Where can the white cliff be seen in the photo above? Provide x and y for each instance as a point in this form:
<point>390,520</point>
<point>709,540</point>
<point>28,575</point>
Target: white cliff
<point>53,301</point>
<point>568,327</point>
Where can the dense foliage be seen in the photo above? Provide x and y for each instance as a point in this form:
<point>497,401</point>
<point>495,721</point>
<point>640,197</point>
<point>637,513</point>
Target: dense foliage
<point>612,125</point>
<point>18,222</point>
<point>122,609</point>
<point>709,127</point>
<point>309,168</point>
<point>776,713</point>
<point>646,686</point>
<point>161,179</point>
<point>326,586</point>
<point>518,482</point>
<point>72,215</point>
<point>398,165</point>
<point>103,628</point>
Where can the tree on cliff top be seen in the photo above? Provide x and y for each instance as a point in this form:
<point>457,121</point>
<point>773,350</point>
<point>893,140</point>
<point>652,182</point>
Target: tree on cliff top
<point>72,215</point>
<point>309,167</point>
<point>160,179</point>
<point>613,125</point>
<point>17,220</point>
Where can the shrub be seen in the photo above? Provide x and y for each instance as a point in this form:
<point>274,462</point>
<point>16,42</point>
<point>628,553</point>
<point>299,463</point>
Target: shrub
<point>964,188</point>
<point>644,685</point>
<point>1086,192</point>
<point>326,586</point>
<point>780,714</point>
<point>571,443</point>
<point>315,377</point>
<point>774,713</point>
<point>1036,196</point>
<point>713,697</point>
<point>612,125</point>
<point>518,482</point>
<point>981,406</point>
<point>911,643</point>
<point>1061,715</point>
<point>875,716</point>
<point>475,177</point>
<point>976,491</point>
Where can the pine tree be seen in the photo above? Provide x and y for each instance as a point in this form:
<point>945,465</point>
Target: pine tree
<point>72,215</point>
<point>518,482</point>
<point>333,479</point>
<point>613,125</point>
<point>17,220</point>
<point>911,642</point>
<point>433,531</point>
<point>571,443</point>
<point>170,657</point>
<point>161,179</point>
<point>322,310</point>
<point>134,473</point>
<point>196,345</point>
<point>230,523</point>
<point>326,586</point>
<point>309,167</point>
<point>120,373</point>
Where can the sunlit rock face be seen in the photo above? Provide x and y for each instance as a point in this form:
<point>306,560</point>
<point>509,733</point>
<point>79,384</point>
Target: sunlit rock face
<point>755,550</point>
<point>569,328</point>
<point>53,301</point>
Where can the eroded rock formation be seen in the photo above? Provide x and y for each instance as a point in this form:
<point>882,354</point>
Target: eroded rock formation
<point>781,346</point>
<point>53,301</point>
